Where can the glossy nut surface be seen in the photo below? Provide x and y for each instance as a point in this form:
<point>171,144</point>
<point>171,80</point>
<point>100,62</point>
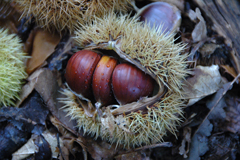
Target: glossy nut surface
<point>102,77</point>
<point>79,72</point>
<point>130,83</point>
<point>161,14</point>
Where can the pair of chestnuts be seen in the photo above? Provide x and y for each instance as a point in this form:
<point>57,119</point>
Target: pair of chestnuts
<point>88,73</point>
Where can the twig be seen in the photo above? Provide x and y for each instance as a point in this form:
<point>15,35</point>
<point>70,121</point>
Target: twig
<point>164,144</point>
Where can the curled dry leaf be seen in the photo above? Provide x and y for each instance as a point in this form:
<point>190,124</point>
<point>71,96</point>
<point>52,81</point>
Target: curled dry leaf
<point>206,81</point>
<point>229,70</point>
<point>44,44</point>
<point>200,31</point>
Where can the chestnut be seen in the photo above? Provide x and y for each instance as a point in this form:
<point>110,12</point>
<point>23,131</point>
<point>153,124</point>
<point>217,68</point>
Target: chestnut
<point>130,83</point>
<point>79,72</point>
<point>90,75</point>
<point>101,84</point>
<point>161,14</point>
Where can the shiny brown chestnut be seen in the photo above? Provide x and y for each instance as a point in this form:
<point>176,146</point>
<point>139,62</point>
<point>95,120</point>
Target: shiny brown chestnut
<point>130,83</point>
<point>102,78</point>
<point>79,72</point>
<point>161,14</point>
<point>87,72</point>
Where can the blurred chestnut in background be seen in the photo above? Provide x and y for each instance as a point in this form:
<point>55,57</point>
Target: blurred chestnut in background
<point>161,14</point>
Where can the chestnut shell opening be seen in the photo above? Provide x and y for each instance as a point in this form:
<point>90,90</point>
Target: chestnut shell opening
<point>125,80</point>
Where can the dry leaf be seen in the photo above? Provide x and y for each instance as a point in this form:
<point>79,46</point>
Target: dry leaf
<point>206,81</point>
<point>47,86</point>
<point>28,88</point>
<point>200,31</point>
<point>230,70</point>
<point>44,44</point>
<point>26,150</point>
<point>53,142</point>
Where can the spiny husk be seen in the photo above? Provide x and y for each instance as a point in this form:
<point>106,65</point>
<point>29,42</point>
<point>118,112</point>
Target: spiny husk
<point>65,14</point>
<point>6,9</point>
<point>153,52</point>
<point>12,68</point>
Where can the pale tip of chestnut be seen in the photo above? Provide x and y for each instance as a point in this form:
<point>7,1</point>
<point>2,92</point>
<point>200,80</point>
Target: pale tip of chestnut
<point>161,14</point>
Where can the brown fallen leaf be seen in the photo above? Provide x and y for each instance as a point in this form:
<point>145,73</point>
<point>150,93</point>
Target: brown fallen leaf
<point>230,70</point>
<point>206,81</point>
<point>200,31</point>
<point>29,87</point>
<point>55,143</point>
<point>48,87</point>
<point>44,44</point>
<point>26,150</point>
